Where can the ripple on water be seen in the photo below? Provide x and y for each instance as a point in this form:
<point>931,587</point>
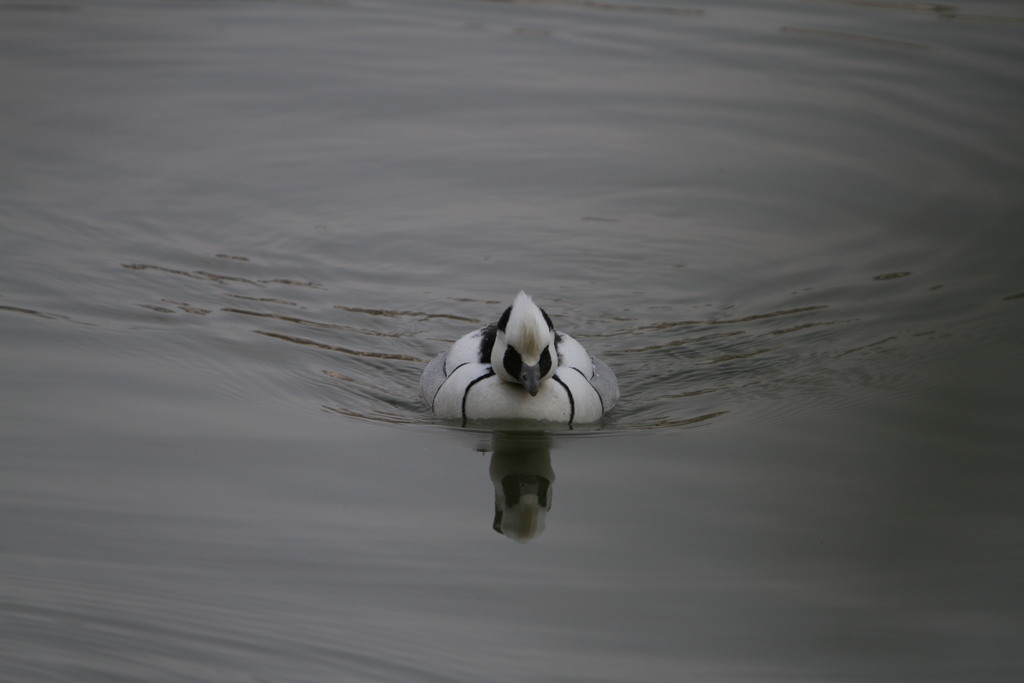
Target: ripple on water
<point>778,345</point>
<point>361,360</point>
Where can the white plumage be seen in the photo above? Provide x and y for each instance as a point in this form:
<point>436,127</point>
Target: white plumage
<point>519,368</point>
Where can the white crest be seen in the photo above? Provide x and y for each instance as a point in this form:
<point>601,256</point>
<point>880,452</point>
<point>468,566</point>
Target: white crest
<point>527,330</point>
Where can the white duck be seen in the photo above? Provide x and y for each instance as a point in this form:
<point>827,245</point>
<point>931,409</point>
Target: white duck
<point>519,368</point>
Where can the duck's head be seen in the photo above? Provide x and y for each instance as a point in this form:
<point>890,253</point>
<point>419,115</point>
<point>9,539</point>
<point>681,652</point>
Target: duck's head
<point>524,345</point>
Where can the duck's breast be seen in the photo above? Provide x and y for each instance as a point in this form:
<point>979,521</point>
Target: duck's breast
<point>474,392</point>
<point>494,398</point>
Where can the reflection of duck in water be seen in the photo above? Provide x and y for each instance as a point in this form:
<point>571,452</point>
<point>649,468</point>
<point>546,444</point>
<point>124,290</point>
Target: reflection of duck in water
<point>522,477</point>
<point>519,368</point>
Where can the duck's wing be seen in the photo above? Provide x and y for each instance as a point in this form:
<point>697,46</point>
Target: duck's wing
<point>470,348</point>
<point>605,382</point>
<point>433,377</point>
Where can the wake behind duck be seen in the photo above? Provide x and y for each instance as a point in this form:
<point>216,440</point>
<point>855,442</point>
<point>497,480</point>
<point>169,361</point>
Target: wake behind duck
<point>519,368</point>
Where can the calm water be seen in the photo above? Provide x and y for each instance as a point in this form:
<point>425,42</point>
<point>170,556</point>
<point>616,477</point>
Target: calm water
<point>232,233</point>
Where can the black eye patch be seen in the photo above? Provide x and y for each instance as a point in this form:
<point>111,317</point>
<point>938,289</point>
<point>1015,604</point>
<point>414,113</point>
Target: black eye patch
<point>513,362</point>
<point>545,361</point>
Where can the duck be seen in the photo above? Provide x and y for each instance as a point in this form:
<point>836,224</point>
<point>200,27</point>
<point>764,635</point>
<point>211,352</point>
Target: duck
<point>519,368</point>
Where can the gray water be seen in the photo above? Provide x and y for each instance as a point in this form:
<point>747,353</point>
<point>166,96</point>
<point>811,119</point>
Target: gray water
<point>232,234</point>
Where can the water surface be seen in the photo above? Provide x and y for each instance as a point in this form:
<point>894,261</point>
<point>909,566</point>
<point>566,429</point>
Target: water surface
<point>232,233</point>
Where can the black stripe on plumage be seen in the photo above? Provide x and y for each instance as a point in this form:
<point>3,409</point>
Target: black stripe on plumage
<point>489,333</point>
<point>596,392</point>
<point>547,319</point>
<point>487,343</point>
<point>465,394</point>
<point>503,320</point>
<point>572,402</point>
